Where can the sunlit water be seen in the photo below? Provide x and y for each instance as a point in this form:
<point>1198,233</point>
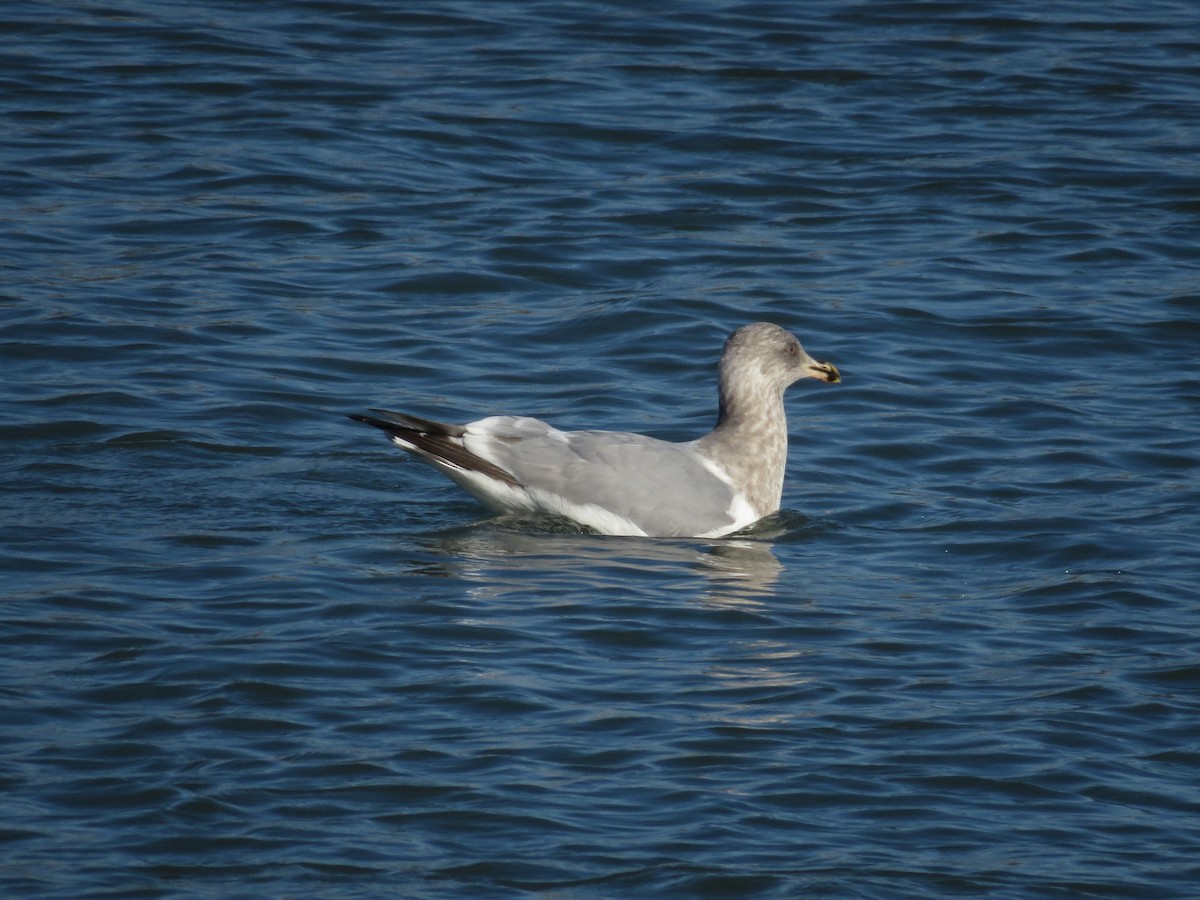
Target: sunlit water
<point>251,650</point>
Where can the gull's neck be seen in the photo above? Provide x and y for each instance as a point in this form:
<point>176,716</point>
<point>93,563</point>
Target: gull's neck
<point>749,443</point>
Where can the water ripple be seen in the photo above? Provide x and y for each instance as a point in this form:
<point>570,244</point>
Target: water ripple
<point>251,649</point>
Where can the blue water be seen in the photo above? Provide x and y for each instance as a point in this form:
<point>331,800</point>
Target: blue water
<point>251,650</point>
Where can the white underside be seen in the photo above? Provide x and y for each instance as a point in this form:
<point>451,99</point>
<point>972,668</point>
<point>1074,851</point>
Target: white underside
<point>506,498</point>
<point>743,514</point>
<point>502,497</point>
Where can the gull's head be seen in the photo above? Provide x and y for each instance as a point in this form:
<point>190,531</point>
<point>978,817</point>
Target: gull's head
<point>767,355</point>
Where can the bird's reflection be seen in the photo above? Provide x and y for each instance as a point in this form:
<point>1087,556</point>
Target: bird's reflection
<point>492,555</point>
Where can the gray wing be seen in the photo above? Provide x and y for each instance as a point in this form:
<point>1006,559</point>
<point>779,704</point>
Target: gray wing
<point>662,487</point>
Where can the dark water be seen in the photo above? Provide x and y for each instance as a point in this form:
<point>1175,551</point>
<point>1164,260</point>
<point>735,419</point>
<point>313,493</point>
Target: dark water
<point>248,650</point>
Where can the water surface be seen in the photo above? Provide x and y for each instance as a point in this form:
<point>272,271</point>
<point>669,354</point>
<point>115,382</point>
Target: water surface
<point>250,650</point>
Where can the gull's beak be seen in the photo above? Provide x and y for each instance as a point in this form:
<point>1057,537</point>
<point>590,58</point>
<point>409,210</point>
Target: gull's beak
<point>826,371</point>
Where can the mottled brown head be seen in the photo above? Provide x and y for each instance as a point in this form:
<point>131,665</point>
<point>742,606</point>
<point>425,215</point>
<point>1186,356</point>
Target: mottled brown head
<point>765,357</point>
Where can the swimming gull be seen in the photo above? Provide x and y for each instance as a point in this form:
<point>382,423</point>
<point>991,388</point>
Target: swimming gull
<point>621,483</point>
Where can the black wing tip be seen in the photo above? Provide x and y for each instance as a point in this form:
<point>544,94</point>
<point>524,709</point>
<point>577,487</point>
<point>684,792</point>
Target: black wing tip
<point>391,428</point>
<point>435,441</point>
<point>394,421</point>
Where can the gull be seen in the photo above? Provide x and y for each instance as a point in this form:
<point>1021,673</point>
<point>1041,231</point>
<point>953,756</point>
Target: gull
<point>632,484</point>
